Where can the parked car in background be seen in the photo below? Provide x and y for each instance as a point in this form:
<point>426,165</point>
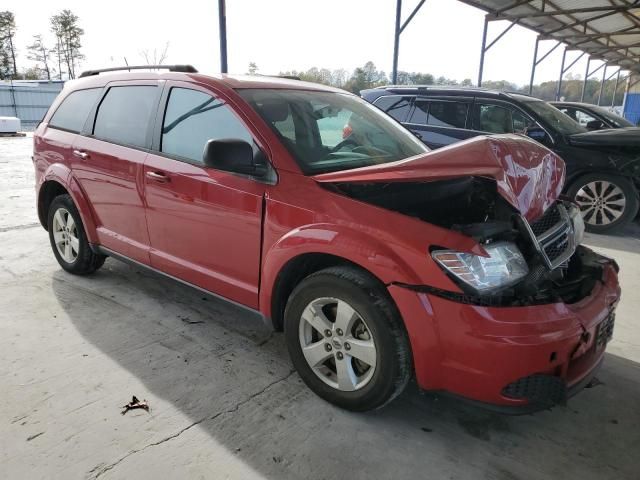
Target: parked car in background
<point>592,117</point>
<point>603,167</point>
<point>378,258</point>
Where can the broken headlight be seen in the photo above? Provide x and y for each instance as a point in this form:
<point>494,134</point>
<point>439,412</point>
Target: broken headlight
<point>578,223</point>
<point>504,266</point>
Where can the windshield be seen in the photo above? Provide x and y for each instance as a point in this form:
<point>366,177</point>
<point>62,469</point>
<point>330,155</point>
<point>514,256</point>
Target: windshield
<point>614,119</point>
<point>327,131</point>
<point>554,118</point>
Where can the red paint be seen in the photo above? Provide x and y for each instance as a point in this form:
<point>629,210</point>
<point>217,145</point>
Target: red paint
<point>233,236</point>
<point>528,175</point>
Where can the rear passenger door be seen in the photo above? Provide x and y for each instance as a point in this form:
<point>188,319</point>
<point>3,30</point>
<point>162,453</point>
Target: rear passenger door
<point>440,121</point>
<point>108,162</point>
<point>205,224</point>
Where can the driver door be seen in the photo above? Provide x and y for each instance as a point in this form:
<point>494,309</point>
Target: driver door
<point>204,224</point>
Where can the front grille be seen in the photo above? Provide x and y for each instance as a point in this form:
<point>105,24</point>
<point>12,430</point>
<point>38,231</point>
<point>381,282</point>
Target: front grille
<point>553,236</point>
<point>605,330</point>
<point>548,220</point>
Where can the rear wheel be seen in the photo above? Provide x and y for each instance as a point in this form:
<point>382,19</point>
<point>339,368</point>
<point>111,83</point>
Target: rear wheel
<point>69,240</point>
<point>607,202</point>
<point>346,339</point>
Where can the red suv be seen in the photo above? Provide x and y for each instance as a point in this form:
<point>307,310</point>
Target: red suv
<point>379,259</point>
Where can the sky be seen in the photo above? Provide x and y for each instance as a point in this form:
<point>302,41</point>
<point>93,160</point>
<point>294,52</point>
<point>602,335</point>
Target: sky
<point>443,39</point>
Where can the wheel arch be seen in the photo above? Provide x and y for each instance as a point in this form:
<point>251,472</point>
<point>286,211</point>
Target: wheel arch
<point>315,247</point>
<point>55,184</point>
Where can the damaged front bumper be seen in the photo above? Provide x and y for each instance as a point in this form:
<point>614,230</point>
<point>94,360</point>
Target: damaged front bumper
<point>514,358</point>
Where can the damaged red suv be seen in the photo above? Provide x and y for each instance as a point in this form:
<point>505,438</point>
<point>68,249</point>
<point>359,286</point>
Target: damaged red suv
<point>379,259</point>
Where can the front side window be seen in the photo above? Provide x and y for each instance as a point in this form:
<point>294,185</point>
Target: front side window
<point>321,141</point>
<point>74,110</point>
<point>124,114</point>
<point>193,118</point>
<point>493,118</point>
<point>397,107</point>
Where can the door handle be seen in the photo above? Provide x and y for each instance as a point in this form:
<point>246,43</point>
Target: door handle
<point>81,154</point>
<point>157,177</point>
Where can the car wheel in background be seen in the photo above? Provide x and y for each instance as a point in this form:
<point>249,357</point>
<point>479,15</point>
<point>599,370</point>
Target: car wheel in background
<point>607,202</point>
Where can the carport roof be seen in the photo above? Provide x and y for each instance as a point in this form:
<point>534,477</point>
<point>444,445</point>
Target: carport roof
<point>608,30</point>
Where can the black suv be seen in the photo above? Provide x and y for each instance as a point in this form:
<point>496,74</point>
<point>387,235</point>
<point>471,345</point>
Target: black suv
<point>603,167</point>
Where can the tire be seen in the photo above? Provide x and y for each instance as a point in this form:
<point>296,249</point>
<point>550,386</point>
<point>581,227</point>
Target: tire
<point>69,240</point>
<point>374,321</point>
<point>618,199</point>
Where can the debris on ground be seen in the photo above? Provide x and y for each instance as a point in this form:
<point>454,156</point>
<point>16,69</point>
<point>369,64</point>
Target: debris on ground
<point>134,404</point>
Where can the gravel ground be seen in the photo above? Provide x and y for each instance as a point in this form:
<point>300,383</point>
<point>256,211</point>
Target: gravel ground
<point>224,400</point>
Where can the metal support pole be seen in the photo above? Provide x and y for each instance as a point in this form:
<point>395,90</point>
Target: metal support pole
<point>615,89</point>
<point>626,92</point>
<point>604,73</point>
<point>483,50</point>
<point>396,43</point>
<point>586,75</point>
<point>222,21</point>
<point>533,65</point>
<point>559,87</point>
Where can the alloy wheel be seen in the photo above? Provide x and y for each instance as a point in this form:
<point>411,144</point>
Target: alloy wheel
<point>337,344</point>
<point>601,202</point>
<point>65,235</point>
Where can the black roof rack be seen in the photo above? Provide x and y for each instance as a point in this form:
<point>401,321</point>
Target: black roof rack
<point>171,68</point>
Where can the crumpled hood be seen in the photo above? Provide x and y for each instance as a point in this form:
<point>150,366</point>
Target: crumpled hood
<point>614,137</point>
<point>528,175</point>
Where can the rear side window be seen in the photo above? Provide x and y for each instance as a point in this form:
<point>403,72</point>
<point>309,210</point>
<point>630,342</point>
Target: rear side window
<point>420,113</point>
<point>74,110</point>
<point>397,107</point>
<point>192,119</point>
<point>124,114</point>
<point>448,114</point>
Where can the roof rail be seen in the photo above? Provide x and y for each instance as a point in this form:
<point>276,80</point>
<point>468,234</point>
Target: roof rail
<point>171,68</point>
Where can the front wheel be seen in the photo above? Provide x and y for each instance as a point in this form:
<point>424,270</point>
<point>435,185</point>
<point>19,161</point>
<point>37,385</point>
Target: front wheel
<point>346,339</point>
<point>607,202</point>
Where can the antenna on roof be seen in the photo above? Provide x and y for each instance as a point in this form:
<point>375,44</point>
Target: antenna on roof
<point>125,62</point>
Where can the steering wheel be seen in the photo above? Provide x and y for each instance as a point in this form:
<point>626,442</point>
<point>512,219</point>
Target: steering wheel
<point>342,144</point>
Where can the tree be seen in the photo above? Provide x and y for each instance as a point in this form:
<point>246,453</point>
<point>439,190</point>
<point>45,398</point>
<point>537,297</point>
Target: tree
<point>253,68</point>
<point>68,41</point>
<point>8,67</point>
<point>39,53</point>
<point>157,57</point>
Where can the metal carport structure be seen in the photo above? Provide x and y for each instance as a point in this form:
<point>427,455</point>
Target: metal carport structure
<point>605,30</point>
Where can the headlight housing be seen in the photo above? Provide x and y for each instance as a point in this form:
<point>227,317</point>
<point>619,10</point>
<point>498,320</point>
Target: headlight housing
<point>578,223</point>
<point>504,266</point>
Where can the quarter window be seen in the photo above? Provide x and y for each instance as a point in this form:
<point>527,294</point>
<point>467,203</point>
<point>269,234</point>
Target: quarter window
<point>397,107</point>
<point>124,114</point>
<point>192,119</point>
<point>74,110</point>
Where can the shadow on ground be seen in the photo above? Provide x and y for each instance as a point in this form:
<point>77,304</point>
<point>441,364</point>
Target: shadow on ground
<point>224,370</point>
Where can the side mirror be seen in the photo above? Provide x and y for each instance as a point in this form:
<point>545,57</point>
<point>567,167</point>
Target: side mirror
<point>235,156</point>
<point>538,134</point>
<point>594,125</point>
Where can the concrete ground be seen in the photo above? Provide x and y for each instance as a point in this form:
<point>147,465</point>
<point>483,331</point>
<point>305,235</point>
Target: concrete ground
<point>224,400</point>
